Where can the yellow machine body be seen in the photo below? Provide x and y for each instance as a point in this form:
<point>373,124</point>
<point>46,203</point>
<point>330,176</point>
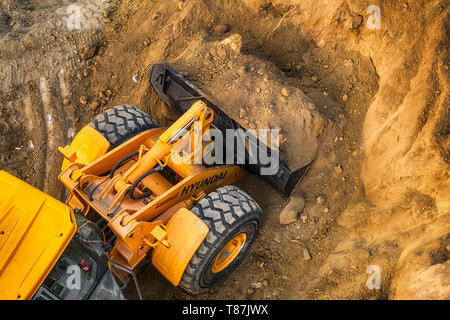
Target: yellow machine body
<point>34,231</point>
<point>185,233</point>
<point>87,146</point>
<point>161,221</point>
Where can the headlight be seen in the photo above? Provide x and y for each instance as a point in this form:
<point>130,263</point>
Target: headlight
<point>107,289</point>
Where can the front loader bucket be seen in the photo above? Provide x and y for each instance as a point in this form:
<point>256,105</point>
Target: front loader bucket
<point>179,93</point>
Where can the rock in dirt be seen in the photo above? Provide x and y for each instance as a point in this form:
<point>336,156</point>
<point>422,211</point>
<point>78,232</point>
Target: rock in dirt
<point>290,212</point>
<point>242,113</point>
<point>320,200</point>
<point>304,218</point>
<point>350,20</point>
<point>306,254</point>
<point>86,72</point>
<point>94,105</point>
<point>83,100</point>
<point>338,169</point>
<point>241,71</point>
<point>89,51</point>
<point>221,28</point>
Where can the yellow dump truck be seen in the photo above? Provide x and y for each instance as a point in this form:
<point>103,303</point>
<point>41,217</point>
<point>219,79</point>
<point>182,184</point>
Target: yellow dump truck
<point>41,254</point>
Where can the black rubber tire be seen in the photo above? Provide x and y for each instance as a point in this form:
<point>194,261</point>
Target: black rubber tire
<point>228,211</point>
<point>121,123</point>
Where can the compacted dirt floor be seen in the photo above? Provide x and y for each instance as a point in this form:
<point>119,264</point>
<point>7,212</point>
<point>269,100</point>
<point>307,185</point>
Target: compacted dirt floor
<point>359,88</point>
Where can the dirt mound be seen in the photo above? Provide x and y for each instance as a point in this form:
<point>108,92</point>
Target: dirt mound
<point>257,94</point>
<point>362,91</point>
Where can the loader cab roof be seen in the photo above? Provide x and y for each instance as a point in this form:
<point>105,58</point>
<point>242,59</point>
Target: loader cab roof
<point>34,231</point>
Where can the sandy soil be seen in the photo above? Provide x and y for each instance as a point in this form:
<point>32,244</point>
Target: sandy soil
<point>369,106</point>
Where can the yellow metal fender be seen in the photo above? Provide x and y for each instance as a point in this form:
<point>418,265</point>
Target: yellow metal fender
<point>185,233</point>
<point>87,146</point>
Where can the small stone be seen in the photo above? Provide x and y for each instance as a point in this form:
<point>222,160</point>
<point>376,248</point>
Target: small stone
<point>83,100</point>
<point>326,210</point>
<point>94,105</point>
<point>265,283</point>
<point>242,70</point>
<point>304,218</point>
<point>314,79</point>
<point>345,97</point>
<point>242,113</point>
<point>250,291</point>
<point>66,102</point>
<point>338,168</point>
<point>285,92</point>
<point>283,99</point>
<point>86,72</point>
<point>341,138</point>
<point>448,248</point>
<point>221,28</point>
<point>258,90</point>
<point>294,207</point>
<point>326,66</point>
<point>325,94</point>
<point>343,179</point>
<point>306,254</point>
<point>284,278</point>
<point>320,200</point>
<point>105,14</point>
<point>256,285</point>
<point>355,153</point>
<point>155,16</point>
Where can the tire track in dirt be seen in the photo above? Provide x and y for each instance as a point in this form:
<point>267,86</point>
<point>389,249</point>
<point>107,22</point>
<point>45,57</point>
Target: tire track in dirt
<point>36,128</point>
<point>57,134</point>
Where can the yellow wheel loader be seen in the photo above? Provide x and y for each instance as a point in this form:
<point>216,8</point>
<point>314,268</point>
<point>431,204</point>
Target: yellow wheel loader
<point>137,192</point>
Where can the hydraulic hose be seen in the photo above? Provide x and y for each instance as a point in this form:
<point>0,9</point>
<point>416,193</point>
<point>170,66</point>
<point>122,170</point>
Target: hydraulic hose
<point>136,183</point>
<point>120,162</point>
